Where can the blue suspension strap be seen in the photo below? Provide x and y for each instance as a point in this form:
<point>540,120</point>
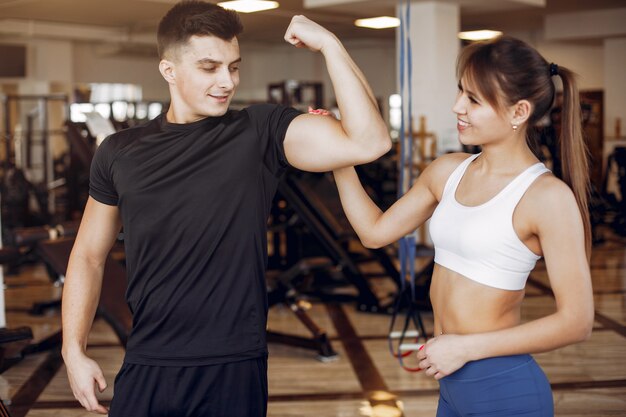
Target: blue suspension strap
<point>407,244</point>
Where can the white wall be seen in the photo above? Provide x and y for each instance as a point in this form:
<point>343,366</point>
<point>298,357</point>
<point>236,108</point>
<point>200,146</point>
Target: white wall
<point>269,63</point>
<point>51,60</point>
<point>585,59</point>
<point>47,62</point>
<point>93,64</point>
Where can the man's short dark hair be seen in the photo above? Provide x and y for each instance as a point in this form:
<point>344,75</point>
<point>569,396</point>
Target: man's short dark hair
<point>193,17</point>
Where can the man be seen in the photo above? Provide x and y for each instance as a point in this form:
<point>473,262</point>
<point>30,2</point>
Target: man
<point>193,190</point>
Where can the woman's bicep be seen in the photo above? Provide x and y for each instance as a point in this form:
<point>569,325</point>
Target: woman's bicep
<point>406,214</point>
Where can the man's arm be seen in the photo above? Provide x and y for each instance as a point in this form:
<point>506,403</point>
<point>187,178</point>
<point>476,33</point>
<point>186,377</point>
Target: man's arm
<point>83,281</point>
<point>321,143</point>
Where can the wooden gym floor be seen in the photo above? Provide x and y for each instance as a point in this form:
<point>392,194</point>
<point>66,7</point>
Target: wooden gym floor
<point>588,379</point>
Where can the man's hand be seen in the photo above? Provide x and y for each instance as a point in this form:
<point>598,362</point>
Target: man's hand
<point>305,33</point>
<point>85,375</point>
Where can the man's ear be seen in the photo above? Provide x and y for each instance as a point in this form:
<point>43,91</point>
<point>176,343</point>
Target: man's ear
<point>166,68</point>
<point>522,111</point>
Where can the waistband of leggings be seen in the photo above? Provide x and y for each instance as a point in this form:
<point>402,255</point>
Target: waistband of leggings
<point>485,368</point>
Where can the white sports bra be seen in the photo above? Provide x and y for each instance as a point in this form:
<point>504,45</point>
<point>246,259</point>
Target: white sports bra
<point>479,242</point>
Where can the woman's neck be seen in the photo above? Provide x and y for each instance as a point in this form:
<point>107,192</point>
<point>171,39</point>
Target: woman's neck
<point>505,158</point>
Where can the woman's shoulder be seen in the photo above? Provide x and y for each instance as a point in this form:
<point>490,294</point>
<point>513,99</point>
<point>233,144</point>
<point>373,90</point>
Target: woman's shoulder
<point>437,173</point>
<point>451,159</point>
<point>548,188</point>
<point>444,165</point>
<point>550,198</point>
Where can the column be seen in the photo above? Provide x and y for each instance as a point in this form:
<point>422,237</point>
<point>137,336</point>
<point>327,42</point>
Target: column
<point>435,46</point>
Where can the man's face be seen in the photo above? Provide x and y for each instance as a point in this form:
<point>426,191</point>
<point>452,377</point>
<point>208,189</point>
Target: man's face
<point>206,73</point>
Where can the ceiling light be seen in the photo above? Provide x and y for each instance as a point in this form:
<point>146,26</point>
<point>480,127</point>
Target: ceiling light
<point>249,6</point>
<point>479,35</point>
<point>382,22</point>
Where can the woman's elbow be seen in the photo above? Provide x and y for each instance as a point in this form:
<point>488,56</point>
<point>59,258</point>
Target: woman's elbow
<point>584,328</point>
<point>588,328</point>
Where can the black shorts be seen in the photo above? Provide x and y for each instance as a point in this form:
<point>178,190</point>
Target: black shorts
<point>235,389</point>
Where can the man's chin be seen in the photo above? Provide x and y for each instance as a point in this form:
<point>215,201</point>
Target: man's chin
<point>220,109</point>
<point>216,111</point>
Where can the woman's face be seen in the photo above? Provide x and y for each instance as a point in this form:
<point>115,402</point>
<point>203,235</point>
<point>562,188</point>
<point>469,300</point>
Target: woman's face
<point>479,123</point>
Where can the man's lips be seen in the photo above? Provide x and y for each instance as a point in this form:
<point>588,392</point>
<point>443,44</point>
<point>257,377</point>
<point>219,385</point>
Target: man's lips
<point>219,97</point>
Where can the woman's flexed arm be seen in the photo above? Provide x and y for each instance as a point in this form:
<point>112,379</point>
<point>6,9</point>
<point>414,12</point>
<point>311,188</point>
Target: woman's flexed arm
<point>376,228</point>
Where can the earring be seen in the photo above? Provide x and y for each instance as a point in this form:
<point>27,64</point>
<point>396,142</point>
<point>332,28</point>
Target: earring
<point>514,127</point>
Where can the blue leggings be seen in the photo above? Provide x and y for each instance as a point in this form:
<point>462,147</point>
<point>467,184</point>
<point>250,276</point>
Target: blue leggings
<point>501,386</point>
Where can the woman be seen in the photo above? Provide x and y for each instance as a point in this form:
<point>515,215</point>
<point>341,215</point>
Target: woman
<point>493,215</point>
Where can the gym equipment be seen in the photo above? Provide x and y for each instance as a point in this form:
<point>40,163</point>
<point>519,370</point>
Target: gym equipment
<point>320,194</point>
<point>616,166</point>
<point>53,246</point>
<point>283,290</point>
<point>324,242</point>
<point>112,305</point>
<point>3,410</point>
<point>29,147</point>
<point>82,146</point>
<point>298,94</point>
<point>12,341</point>
<point>35,239</point>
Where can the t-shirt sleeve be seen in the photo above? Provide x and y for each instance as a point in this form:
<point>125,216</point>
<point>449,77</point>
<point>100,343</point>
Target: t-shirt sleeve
<point>101,186</point>
<point>272,121</point>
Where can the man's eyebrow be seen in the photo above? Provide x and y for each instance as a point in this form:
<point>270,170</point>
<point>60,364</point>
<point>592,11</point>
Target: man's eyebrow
<point>214,61</point>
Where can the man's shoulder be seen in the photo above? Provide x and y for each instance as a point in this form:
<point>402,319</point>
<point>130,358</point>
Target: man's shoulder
<point>256,110</point>
<point>131,134</point>
<point>265,110</point>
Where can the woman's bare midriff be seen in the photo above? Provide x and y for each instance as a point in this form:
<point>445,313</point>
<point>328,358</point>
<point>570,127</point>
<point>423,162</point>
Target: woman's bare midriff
<point>463,306</point>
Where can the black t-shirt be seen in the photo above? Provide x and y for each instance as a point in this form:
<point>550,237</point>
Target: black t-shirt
<point>194,201</point>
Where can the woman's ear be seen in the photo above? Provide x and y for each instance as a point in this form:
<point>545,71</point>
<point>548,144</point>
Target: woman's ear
<point>166,68</point>
<point>521,112</point>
